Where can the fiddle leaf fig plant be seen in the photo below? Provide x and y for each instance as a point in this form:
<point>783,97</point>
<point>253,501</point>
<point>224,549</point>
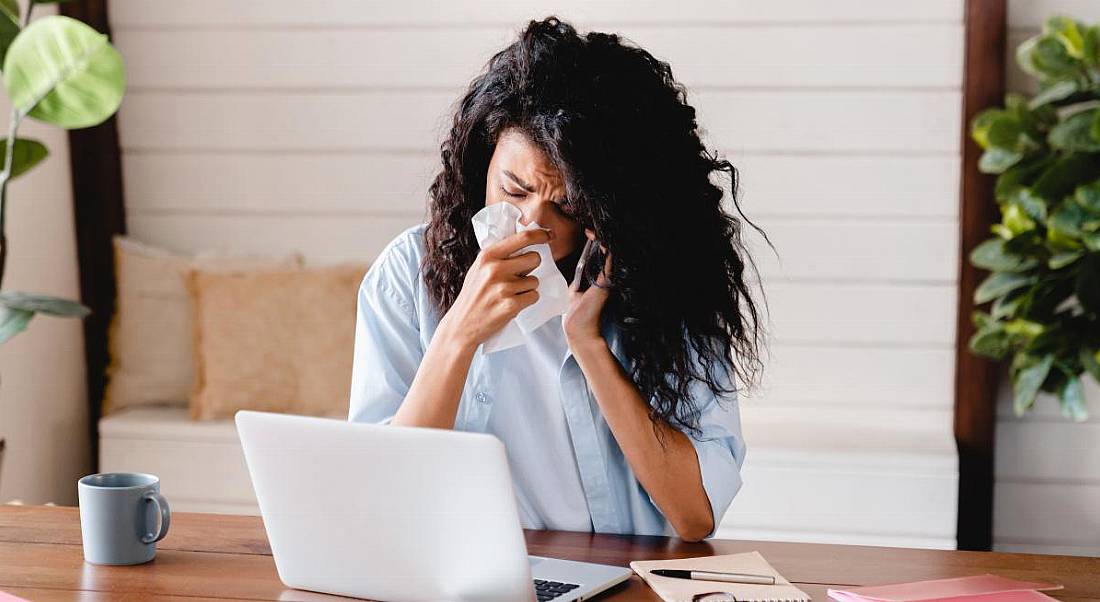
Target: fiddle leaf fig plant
<point>59,71</point>
<point>1044,258</point>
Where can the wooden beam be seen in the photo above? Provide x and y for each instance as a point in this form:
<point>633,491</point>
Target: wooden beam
<point>98,214</point>
<point>975,377</point>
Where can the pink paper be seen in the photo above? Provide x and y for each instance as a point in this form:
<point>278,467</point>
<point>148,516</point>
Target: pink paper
<point>6,597</point>
<point>990,588</point>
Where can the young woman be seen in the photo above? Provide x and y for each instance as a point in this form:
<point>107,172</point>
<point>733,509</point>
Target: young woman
<point>619,416</point>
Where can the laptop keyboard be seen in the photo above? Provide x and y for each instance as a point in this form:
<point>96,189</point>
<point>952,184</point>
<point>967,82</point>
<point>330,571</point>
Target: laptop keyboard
<point>548,590</point>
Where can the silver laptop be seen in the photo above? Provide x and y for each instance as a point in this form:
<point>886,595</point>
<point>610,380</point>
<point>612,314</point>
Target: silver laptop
<point>399,514</point>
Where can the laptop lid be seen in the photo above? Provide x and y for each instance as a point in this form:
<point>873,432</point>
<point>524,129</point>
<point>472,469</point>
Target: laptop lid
<point>386,512</point>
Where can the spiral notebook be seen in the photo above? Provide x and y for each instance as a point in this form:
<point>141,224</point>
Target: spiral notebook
<point>671,589</point>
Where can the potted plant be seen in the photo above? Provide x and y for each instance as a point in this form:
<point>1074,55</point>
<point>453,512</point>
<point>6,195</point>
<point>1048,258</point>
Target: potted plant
<point>59,71</point>
<point>1044,257</point>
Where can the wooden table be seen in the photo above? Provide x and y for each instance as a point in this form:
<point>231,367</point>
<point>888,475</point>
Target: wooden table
<point>219,557</point>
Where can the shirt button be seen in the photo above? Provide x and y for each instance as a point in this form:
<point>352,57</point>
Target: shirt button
<point>482,397</point>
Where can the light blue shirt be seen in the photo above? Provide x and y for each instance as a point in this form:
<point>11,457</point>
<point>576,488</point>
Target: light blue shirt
<point>395,322</point>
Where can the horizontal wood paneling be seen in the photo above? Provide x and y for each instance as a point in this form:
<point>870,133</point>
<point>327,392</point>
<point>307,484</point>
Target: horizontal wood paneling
<point>854,187</point>
<point>825,121</point>
<point>355,13</point>
<point>851,186</point>
<point>839,250</point>
<point>885,378</point>
<point>841,422</point>
<point>906,315</point>
<point>861,506</point>
<point>299,183</point>
<point>702,56</point>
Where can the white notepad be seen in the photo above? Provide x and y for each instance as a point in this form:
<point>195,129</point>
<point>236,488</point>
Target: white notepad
<point>671,589</point>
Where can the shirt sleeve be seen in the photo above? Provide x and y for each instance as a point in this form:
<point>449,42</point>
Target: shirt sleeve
<point>387,337</point>
<point>719,447</point>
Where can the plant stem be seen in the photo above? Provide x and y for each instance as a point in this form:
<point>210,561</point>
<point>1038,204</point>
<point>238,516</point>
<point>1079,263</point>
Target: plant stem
<point>5,175</point>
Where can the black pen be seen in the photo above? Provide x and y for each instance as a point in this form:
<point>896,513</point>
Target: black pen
<point>716,576</point>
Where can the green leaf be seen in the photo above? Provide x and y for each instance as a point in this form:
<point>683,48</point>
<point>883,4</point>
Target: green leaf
<point>1034,206</point>
<point>63,72</point>
<point>1092,46</point>
<point>1027,383</point>
<point>1072,397</point>
<point>1075,133</point>
<point>996,159</point>
<point>1024,328</point>
<point>1088,283</point>
<point>992,343</point>
<point>13,321</point>
<point>1013,180</point>
<point>1054,92</point>
<point>44,304</point>
<point>1061,260</point>
<point>1016,220</point>
<point>1007,305</point>
<point>9,26</point>
<point>1000,283</point>
<point>979,127</point>
<point>28,153</point>
<point>1066,31</point>
<point>1064,175</point>
<point>1045,58</point>
<point>1004,131</point>
<point>1048,295</point>
<point>1088,196</point>
<point>991,255</point>
<point>1066,221</point>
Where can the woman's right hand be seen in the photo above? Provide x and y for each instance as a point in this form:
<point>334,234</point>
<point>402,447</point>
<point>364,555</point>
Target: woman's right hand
<point>496,288</point>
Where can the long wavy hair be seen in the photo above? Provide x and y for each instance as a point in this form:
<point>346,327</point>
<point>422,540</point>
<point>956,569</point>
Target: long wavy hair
<point>617,125</point>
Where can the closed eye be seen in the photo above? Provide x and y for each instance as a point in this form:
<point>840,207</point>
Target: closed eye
<point>512,194</point>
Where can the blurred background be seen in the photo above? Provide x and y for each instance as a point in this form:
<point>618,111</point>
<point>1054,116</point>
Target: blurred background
<point>288,138</point>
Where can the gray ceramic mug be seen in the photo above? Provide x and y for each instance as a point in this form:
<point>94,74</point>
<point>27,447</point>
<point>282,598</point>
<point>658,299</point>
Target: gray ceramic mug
<point>119,516</point>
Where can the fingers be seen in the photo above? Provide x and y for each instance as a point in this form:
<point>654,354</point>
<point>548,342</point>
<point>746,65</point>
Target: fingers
<point>525,299</point>
<point>510,244</point>
<point>520,265</point>
<point>522,285</point>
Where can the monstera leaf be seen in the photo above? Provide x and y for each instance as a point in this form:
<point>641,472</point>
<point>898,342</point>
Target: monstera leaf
<point>63,72</point>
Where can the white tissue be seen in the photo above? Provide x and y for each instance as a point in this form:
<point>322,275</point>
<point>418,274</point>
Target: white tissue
<point>495,222</point>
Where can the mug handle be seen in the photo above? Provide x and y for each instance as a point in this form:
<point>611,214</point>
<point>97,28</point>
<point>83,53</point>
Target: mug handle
<point>165,517</point>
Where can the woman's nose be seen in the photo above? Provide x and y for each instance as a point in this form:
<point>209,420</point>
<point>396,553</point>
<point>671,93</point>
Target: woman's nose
<point>535,210</point>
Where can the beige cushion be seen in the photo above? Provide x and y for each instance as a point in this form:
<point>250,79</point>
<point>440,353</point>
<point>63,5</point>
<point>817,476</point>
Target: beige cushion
<point>150,335</point>
<point>277,341</point>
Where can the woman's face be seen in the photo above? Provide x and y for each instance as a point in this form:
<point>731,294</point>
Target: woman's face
<point>521,174</point>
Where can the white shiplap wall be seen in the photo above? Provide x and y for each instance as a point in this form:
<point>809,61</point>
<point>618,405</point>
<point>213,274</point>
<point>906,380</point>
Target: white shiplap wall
<point>266,126</point>
<point>1047,494</point>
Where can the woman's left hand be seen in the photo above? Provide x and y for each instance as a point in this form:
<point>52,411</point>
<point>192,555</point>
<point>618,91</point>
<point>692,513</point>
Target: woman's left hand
<point>582,320</point>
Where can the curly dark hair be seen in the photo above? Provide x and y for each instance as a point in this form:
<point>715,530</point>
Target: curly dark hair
<point>617,125</point>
